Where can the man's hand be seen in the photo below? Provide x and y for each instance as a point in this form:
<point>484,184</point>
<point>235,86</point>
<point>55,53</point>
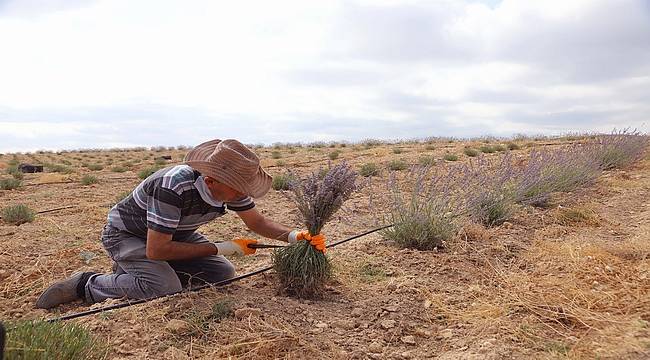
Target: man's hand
<point>237,246</point>
<point>317,241</point>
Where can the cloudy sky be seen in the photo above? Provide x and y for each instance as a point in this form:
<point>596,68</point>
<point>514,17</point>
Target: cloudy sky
<point>118,73</point>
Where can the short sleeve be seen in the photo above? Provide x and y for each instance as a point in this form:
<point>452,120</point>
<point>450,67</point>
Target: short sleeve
<point>163,210</point>
<point>241,205</point>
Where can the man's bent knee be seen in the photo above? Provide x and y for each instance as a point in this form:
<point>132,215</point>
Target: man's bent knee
<point>159,288</point>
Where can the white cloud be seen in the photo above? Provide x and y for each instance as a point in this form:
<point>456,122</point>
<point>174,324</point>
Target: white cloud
<point>99,71</point>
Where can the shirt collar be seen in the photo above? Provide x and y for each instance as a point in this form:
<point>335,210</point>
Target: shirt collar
<point>202,187</point>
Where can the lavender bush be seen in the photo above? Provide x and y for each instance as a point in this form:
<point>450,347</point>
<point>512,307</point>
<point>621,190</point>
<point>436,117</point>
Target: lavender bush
<point>424,215</point>
<point>489,190</point>
<point>302,269</point>
<point>619,149</point>
<point>559,170</point>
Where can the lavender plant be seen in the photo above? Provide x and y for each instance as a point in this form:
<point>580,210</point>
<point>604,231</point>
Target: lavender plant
<point>489,190</point>
<point>424,212</point>
<point>559,170</point>
<point>619,149</point>
<point>302,269</point>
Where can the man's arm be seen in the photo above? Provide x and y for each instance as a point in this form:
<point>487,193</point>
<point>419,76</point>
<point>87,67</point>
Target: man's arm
<point>263,226</point>
<point>161,247</point>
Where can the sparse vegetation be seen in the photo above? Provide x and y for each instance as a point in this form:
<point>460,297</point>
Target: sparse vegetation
<point>118,169</point>
<point>450,157</point>
<point>57,168</point>
<point>372,272</point>
<point>397,165</point>
<point>487,149</point>
<point>334,154</point>
<point>89,180</point>
<point>146,172</point>
<point>276,154</point>
<point>470,152</point>
<point>39,340</point>
<point>369,169</point>
<point>283,181</point>
<point>513,146</point>
<point>10,184</point>
<point>95,167</point>
<point>427,160</point>
<point>18,214</point>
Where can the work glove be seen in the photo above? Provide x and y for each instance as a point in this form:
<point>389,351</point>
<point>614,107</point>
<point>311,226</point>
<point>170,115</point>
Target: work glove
<point>317,241</point>
<point>237,246</point>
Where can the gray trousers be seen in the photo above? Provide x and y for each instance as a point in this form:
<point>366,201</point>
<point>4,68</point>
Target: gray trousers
<point>137,277</point>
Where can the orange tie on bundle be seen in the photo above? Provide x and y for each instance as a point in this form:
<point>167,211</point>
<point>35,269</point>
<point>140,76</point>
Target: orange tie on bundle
<point>317,241</point>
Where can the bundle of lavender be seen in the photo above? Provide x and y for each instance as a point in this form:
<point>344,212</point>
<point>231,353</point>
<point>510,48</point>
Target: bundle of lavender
<point>303,269</point>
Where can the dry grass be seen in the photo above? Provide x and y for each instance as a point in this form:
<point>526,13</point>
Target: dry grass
<point>566,282</point>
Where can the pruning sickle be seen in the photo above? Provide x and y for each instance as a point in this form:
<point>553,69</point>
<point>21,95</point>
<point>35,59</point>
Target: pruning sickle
<point>264,246</point>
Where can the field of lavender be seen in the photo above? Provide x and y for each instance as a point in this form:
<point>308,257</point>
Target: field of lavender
<point>495,248</point>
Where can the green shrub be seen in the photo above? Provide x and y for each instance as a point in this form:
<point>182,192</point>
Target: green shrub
<point>280,163</point>
<point>10,184</point>
<point>450,157</point>
<point>487,149</point>
<point>470,152</point>
<point>89,180</point>
<point>397,165</point>
<point>430,147</point>
<point>15,172</point>
<point>427,160</point>
<point>369,169</point>
<point>118,169</point>
<point>146,172</point>
<point>40,340</point>
<point>95,167</point>
<point>513,146</point>
<point>282,181</point>
<point>499,148</point>
<point>334,155</point>
<point>160,162</point>
<point>276,154</point>
<point>18,214</point>
<point>57,168</point>
<point>397,150</point>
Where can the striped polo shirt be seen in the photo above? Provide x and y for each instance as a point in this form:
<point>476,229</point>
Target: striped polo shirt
<point>173,200</point>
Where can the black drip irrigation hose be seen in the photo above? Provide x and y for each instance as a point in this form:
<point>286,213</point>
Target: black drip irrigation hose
<point>200,287</point>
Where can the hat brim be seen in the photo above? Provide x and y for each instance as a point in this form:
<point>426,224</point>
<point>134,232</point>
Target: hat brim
<point>256,187</point>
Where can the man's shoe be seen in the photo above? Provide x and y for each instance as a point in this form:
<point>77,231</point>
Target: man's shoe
<point>64,291</point>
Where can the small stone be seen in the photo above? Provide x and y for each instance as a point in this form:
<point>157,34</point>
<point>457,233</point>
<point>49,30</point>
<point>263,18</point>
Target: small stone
<point>357,312</point>
<point>446,334</point>
<point>423,332</point>
<point>388,324</point>
<point>427,303</point>
<point>246,312</point>
<point>408,339</point>
<point>390,308</point>
<point>345,324</point>
<point>375,347</point>
<point>177,326</point>
<point>507,225</point>
<point>322,325</point>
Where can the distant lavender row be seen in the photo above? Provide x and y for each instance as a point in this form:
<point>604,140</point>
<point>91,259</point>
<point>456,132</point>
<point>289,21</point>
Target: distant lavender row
<point>426,210</point>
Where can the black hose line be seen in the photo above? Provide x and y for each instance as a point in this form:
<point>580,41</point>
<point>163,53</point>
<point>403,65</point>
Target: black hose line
<point>200,287</point>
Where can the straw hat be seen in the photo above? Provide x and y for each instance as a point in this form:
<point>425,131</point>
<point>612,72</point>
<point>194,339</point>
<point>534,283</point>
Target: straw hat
<point>232,163</point>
